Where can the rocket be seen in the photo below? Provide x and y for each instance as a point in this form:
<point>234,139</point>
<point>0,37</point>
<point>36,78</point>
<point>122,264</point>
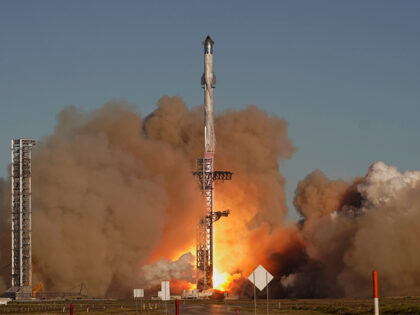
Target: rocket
<point>206,175</point>
<point>208,82</point>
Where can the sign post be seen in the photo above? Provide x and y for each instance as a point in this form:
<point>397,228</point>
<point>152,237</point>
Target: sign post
<point>375,292</point>
<point>266,283</point>
<point>255,294</point>
<point>138,293</point>
<point>260,277</point>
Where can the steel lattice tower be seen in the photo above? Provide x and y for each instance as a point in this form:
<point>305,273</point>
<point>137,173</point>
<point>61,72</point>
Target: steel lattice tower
<point>207,177</point>
<point>204,255</point>
<point>21,216</point>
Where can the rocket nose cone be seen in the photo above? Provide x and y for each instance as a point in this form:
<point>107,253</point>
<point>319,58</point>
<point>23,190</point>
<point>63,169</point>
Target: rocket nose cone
<point>208,45</point>
<point>208,40</point>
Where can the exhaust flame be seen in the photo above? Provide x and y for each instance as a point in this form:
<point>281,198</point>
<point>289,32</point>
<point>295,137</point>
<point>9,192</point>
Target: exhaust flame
<point>222,280</point>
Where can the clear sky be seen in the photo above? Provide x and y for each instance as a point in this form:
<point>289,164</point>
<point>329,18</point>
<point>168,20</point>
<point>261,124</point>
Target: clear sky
<point>344,74</point>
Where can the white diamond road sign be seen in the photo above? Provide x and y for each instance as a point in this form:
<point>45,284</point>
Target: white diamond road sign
<point>260,277</point>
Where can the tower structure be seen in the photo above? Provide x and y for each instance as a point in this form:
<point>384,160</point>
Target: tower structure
<point>21,168</point>
<point>207,177</point>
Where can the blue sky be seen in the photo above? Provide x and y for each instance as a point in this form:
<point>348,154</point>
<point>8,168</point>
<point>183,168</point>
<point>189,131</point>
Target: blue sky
<point>345,75</point>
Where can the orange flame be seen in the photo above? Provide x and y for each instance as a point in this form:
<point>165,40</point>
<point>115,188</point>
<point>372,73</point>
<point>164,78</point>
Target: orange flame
<point>222,281</point>
<point>241,242</point>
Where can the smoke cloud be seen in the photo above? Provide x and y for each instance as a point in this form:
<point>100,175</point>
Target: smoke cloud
<point>106,198</point>
<point>115,206</point>
<point>164,269</point>
<point>317,196</point>
<point>376,229</point>
<point>113,193</point>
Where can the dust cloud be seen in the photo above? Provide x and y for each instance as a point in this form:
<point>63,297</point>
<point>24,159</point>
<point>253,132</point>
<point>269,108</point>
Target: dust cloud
<point>353,228</point>
<point>115,206</point>
<point>113,192</point>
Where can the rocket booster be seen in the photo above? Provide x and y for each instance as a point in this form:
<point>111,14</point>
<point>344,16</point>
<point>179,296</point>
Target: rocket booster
<point>208,82</point>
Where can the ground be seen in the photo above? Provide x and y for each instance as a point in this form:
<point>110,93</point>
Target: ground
<point>397,305</point>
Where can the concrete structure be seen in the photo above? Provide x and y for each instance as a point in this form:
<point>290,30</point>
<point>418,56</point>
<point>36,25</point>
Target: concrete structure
<point>196,295</point>
<point>206,175</point>
<point>21,168</point>
<point>4,301</point>
<point>165,293</point>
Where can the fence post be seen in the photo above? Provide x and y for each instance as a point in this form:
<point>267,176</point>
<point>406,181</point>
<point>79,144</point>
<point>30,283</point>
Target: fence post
<point>375,292</point>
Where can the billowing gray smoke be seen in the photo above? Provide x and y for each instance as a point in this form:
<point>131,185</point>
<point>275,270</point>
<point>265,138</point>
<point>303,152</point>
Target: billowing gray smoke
<point>376,229</point>
<point>113,192</point>
<point>163,269</point>
<point>107,199</point>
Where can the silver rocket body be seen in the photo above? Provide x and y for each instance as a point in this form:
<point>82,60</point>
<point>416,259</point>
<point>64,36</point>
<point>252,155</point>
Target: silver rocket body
<point>208,81</point>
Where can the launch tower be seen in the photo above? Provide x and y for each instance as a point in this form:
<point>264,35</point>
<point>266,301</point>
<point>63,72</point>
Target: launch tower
<point>207,177</point>
<point>21,217</point>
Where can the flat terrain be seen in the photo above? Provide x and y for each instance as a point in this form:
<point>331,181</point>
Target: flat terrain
<point>397,305</point>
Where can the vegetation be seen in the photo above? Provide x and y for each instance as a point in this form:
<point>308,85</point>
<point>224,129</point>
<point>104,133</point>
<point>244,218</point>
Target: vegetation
<point>399,305</point>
